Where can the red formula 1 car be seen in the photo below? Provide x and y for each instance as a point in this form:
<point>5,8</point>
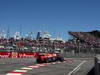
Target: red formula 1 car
<point>48,57</point>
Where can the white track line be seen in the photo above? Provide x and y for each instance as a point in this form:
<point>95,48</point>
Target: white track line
<point>77,68</point>
<point>20,70</point>
<point>13,74</point>
<point>34,66</point>
<point>27,68</point>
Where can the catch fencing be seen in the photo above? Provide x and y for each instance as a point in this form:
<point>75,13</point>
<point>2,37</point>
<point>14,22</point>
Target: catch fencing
<point>80,53</point>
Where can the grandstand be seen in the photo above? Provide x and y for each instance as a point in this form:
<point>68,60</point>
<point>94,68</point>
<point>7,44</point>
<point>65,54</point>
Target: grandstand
<point>95,33</point>
<point>86,40</point>
<point>23,44</point>
<point>80,42</point>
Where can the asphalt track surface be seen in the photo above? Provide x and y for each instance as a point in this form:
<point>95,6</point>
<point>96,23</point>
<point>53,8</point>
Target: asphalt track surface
<point>7,65</point>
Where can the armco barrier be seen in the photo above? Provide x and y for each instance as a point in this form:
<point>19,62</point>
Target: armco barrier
<point>97,65</point>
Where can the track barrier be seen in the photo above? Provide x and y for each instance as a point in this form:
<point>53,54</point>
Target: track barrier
<point>17,54</point>
<point>97,65</point>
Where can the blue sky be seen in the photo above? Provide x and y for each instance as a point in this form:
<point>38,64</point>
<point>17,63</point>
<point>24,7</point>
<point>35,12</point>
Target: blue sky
<point>53,16</point>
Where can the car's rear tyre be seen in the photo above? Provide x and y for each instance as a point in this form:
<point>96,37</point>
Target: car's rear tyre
<point>47,60</point>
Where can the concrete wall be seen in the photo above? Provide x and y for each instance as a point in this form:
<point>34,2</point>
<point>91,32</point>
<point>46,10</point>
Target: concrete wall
<point>97,65</point>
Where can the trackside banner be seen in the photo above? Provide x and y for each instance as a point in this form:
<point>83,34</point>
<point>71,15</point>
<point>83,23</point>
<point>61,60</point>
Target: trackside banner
<point>5,54</point>
<point>25,55</point>
<point>17,54</point>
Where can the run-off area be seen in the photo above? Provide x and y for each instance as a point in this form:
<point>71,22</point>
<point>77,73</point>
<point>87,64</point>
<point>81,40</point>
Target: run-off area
<point>9,64</point>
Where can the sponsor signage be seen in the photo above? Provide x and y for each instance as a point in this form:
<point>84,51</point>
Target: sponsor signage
<point>17,54</point>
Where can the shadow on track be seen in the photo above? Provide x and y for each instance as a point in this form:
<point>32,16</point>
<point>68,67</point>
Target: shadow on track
<point>91,72</point>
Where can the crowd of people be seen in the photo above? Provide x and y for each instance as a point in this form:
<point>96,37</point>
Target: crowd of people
<point>80,40</point>
<point>25,43</point>
<point>89,40</point>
